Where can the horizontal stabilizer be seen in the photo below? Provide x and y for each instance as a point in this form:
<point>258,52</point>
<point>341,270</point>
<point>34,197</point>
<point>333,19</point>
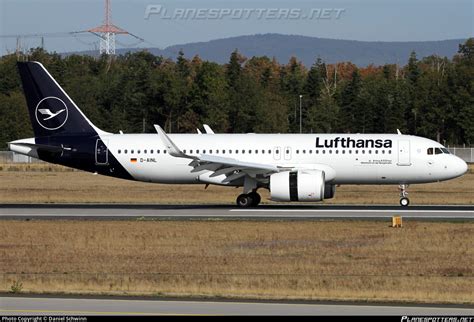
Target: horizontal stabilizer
<point>40,147</point>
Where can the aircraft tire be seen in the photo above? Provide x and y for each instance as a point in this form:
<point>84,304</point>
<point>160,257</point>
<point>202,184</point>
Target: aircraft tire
<point>244,201</point>
<point>404,202</point>
<point>255,198</point>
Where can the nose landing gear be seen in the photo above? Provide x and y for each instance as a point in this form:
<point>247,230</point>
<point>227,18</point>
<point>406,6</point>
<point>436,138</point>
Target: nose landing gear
<point>404,201</point>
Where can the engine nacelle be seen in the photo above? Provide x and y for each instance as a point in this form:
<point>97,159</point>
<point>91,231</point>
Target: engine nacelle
<point>301,185</point>
<point>329,191</point>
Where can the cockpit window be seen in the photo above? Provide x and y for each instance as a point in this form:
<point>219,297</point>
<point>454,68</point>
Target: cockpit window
<point>432,151</point>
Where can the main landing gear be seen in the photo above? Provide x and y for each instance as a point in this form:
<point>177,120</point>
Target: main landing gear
<point>404,201</point>
<point>246,200</point>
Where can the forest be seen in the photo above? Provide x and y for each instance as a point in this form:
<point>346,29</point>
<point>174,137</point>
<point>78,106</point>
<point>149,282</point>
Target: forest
<point>430,96</point>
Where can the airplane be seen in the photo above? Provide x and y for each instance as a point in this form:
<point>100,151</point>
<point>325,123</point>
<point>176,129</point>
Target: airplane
<point>293,167</point>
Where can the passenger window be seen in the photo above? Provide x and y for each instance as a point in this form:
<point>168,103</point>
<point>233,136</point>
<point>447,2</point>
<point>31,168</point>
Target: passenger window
<point>203,151</point>
<point>243,151</point>
<point>310,151</point>
<point>250,151</point>
<point>256,151</point>
<point>297,151</point>
<point>269,151</point>
<point>131,152</point>
<point>430,151</point>
<point>330,151</point>
<point>144,151</point>
<point>138,151</point>
<point>337,151</point>
<point>263,151</point>
<point>151,151</point>
<point>164,151</point>
<point>304,151</point>
<point>324,151</point>
<point>119,151</point>
<point>158,151</point>
<point>316,151</point>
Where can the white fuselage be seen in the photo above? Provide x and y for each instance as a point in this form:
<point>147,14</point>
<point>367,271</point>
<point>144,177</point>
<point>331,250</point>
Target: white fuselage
<point>406,161</point>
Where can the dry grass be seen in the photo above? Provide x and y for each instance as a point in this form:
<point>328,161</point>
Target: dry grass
<point>423,262</point>
<point>45,183</point>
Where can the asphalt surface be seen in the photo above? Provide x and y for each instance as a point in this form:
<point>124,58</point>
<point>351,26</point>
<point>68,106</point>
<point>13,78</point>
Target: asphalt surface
<point>198,212</point>
<point>89,306</point>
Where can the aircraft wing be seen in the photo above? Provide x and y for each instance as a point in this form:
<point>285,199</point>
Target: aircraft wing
<point>233,169</point>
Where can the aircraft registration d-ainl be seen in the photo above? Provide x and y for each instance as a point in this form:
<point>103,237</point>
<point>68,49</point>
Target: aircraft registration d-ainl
<point>293,167</point>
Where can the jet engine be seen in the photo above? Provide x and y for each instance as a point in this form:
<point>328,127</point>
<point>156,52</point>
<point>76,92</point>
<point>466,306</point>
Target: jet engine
<point>301,185</point>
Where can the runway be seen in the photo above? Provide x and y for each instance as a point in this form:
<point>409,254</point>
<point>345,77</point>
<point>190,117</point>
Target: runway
<point>214,212</point>
<point>109,306</point>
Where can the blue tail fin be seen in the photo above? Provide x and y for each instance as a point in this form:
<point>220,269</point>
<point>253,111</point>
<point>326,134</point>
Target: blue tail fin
<point>52,111</point>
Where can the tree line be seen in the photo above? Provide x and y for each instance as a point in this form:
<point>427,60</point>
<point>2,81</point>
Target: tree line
<point>431,97</point>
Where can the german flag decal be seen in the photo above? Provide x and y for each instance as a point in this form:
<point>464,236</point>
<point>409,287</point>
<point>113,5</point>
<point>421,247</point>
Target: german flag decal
<point>133,160</point>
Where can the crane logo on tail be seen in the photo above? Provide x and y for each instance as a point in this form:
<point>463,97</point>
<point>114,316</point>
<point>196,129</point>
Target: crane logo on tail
<point>51,113</point>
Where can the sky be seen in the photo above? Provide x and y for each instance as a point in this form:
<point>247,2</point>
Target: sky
<point>368,20</point>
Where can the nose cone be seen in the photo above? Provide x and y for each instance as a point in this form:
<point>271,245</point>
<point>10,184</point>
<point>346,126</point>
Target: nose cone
<point>460,167</point>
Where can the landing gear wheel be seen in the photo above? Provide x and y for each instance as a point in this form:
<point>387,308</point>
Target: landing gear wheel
<point>255,198</point>
<point>404,202</point>
<point>244,201</point>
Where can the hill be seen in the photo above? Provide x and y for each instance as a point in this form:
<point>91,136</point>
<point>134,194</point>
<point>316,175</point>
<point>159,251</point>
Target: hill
<point>307,49</point>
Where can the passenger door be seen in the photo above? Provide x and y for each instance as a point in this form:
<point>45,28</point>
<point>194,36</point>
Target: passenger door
<point>404,153</point>
<point>101,153</point>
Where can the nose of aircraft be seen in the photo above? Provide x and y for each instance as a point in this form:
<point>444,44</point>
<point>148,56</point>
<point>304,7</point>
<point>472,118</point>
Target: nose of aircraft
<point>460,166</point>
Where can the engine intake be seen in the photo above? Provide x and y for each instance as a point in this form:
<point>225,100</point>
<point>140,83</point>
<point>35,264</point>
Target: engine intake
<point>301,185</point>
